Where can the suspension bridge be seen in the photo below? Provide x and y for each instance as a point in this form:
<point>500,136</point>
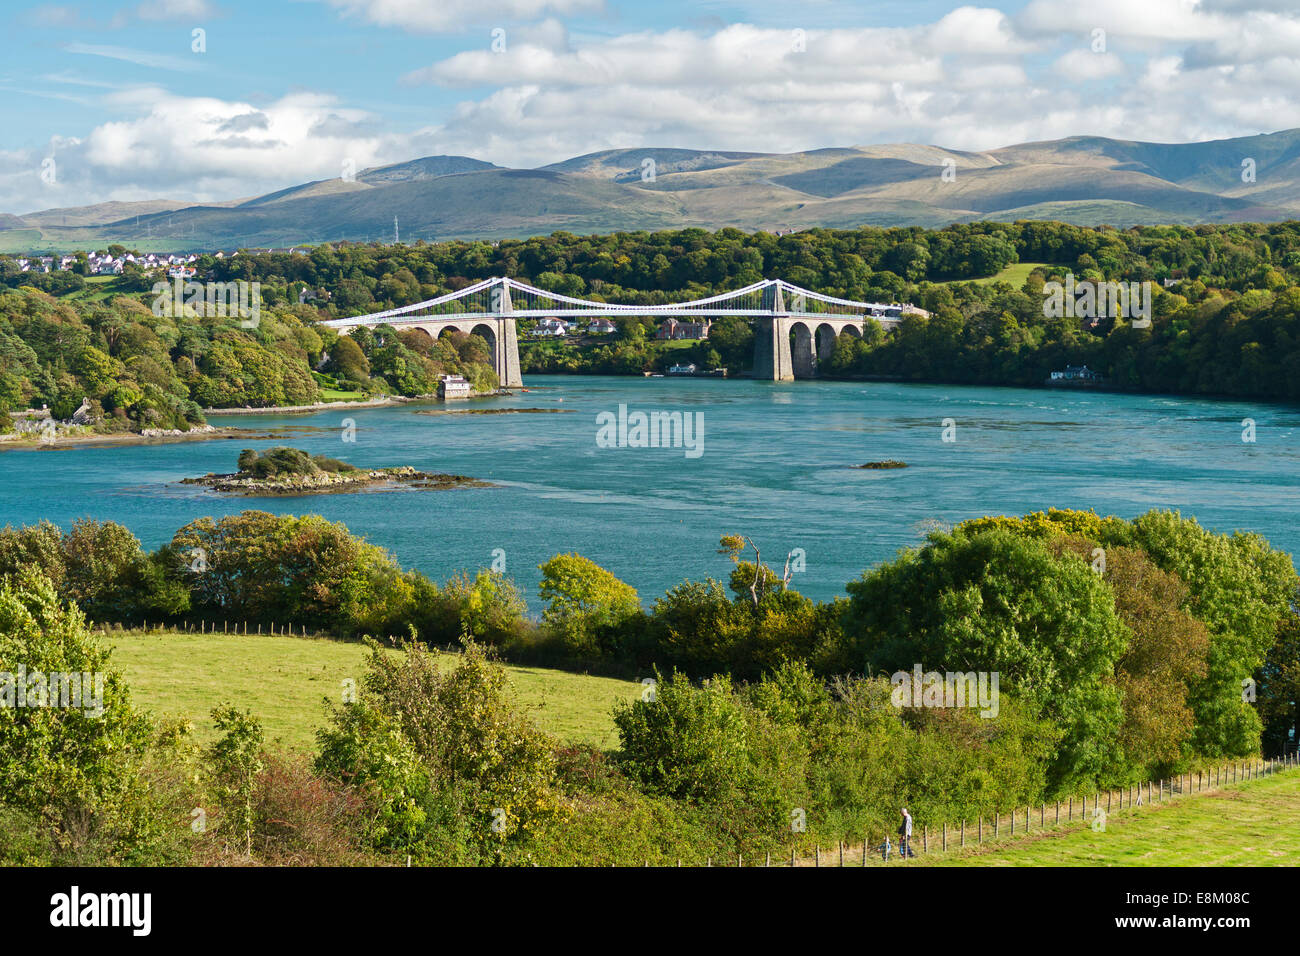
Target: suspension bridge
<point>794,328</point>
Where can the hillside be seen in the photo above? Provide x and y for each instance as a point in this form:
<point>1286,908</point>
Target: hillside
<point>1084,179</point>
<point>286,680</point>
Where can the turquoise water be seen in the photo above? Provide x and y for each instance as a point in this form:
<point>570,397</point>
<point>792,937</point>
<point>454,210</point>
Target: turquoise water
<point>776,465</point>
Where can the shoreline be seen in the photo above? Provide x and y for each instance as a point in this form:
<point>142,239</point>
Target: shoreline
<point>202,433</point>
<point>386,401</point>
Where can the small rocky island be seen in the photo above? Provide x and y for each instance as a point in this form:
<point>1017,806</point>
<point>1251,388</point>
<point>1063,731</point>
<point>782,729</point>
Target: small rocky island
<point>887,463</point>
<point>291,471</point>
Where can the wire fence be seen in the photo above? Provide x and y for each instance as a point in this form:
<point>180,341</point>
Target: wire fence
<point>1087,811</point>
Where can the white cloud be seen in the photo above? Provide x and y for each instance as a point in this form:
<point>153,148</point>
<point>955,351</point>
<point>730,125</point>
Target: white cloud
<point>1086,65</point>
<point>1161,20</point>
<point>973,79</point>
<point>974,30</point>
<point>442,16</point>
<point>201,149</point>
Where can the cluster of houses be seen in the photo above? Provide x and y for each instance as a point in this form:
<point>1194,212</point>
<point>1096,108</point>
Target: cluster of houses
<point>1076,375</point>
<point>107,265</point>
<point>668,329</point>
<point>560,327</point>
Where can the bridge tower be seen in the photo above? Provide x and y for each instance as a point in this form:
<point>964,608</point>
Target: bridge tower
<point>772,360</point>
<point>505,345</point>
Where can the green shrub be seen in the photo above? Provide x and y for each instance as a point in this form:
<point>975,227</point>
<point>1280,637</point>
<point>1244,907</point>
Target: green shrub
<point>68,767</point>
<point>587,605</point>
<point>366,751</point>
<point>455,741</point>
<point>998,602</point>
<point>234,762</point>
<point>685,741</point>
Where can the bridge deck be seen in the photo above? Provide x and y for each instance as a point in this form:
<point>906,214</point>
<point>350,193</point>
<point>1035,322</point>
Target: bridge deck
<point>613,312</point>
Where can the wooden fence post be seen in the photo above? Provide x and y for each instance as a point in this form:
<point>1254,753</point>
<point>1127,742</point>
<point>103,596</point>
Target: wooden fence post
<point>1042,815</point>
<point>1071,814</point>
<point>945,837</point>
<point>925,839</point>
<point>817,855</point>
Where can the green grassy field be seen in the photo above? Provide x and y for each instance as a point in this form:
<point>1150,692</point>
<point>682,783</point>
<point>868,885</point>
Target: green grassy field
<point>1016,274</point>
<point>1249,823</point>
<point>335,395</point>
<point>284,680</point>
<point>1253,823</point>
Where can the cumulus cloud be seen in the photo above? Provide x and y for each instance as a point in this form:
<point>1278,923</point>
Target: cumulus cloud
<point>197,148</point>
<point>976,78</point>
<point>1173,70</point>
<point>1087,65</point>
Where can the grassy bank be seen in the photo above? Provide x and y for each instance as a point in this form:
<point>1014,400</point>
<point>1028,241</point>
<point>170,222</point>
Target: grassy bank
<point>283,681</point>
<point>1249,823</point>
<point>1253,823</point>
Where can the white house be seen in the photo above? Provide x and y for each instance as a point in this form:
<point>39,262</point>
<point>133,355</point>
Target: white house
<point>452,386</point>
<point>552,326</point>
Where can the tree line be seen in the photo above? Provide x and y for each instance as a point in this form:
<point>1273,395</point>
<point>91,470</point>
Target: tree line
<point>1225,324</point>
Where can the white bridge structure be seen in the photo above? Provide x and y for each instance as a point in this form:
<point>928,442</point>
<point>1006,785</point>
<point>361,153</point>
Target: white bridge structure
<point>794,327</point>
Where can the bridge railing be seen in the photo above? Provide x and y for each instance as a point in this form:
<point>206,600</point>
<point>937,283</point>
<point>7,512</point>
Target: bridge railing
<point>793,301</point>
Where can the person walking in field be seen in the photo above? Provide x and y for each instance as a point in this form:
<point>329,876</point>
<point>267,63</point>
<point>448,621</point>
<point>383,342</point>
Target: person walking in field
<point>905,836</point>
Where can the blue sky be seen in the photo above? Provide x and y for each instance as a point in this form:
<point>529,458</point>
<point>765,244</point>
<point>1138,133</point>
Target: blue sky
<point>283,91</point>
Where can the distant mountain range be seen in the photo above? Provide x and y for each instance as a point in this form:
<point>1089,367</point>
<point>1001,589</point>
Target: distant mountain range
<point>1084,179</point>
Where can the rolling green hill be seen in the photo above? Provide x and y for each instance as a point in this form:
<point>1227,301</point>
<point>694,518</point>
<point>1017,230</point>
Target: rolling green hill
<point>1083,179</point>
